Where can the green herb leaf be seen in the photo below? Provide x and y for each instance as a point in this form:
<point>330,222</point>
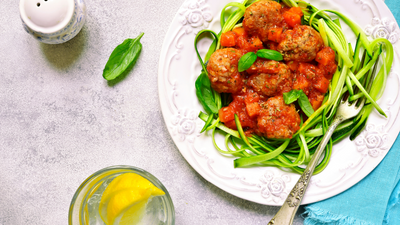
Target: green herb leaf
<point>204,93</point>
<point>305,104</point>
<point>246,61</point>
<point>122,57</point>
<point>270,54</point>
<point>291,96</point>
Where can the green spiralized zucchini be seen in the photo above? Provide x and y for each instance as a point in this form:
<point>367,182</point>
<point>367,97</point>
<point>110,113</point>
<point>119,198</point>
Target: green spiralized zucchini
<point>357,76</point>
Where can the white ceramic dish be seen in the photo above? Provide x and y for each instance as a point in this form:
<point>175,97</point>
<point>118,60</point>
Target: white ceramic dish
<point>351,160</point>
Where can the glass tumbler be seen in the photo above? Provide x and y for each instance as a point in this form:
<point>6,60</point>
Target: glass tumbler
<point>84,208</point>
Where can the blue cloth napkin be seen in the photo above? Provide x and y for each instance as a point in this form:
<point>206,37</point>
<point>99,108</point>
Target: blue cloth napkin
<point>375,199</point>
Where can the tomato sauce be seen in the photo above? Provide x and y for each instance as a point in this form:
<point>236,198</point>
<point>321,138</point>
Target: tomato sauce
<point>269,115</point>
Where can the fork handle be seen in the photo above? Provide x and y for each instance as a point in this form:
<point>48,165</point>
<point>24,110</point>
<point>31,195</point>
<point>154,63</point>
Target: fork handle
<point>289,208</point>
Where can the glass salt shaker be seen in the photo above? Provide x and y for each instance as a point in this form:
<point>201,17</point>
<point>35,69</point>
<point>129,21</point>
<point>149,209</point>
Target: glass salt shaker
<point>53,21</point>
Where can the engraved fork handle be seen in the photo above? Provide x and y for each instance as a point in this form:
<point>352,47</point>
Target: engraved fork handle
<point>289,208</point>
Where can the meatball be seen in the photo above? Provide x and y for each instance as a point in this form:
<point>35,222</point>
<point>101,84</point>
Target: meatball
<point>277,119</point>
<point>300,44</point>
<point>260,16</point>
<point>271,78</point>
<point>223,70</point>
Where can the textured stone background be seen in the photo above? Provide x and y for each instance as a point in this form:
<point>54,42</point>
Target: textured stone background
<point>60,121</point>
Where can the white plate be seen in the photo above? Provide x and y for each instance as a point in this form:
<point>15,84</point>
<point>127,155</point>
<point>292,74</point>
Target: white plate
<point>351,160</point>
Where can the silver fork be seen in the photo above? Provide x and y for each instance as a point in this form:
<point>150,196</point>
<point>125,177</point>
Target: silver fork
<point>289,208</point>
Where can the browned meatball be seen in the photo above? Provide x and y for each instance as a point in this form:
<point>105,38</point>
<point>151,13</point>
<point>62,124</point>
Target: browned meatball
<point>300,44</point>
<point>260,16</point>
<point>223,70</point>
<point>271,78</point>
<point>278,120</point>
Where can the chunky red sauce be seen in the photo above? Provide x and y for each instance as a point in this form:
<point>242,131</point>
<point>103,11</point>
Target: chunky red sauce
<point>257,93</point>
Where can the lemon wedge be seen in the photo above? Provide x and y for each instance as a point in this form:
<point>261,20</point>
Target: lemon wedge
<point>125,198</point>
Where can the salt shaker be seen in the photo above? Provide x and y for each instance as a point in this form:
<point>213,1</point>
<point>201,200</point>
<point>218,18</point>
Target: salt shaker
<point>53,21</point>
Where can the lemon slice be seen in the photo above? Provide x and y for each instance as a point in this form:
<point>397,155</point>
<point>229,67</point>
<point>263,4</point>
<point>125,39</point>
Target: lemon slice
<point>132,200</point>
<point>134,214</point>
<point>125,198</point>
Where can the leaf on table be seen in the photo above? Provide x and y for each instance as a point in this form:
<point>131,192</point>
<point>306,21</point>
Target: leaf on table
<point>122,57</point>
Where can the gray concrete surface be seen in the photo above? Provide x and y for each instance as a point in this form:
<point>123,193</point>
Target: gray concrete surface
<point>60,121</point>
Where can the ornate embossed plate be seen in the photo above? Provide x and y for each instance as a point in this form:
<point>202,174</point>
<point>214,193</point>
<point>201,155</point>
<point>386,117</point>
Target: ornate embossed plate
<point>351,160</point>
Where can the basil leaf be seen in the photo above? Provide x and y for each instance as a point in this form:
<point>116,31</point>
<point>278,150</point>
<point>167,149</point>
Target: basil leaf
<point>270,54</point>
<point>291,96</point>
<point>246,61</point>
<point>305,104</point>
<point>204,93</point>
<point>122,57</point>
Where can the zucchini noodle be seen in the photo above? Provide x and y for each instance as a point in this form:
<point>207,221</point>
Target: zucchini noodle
<point>358,76</point>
